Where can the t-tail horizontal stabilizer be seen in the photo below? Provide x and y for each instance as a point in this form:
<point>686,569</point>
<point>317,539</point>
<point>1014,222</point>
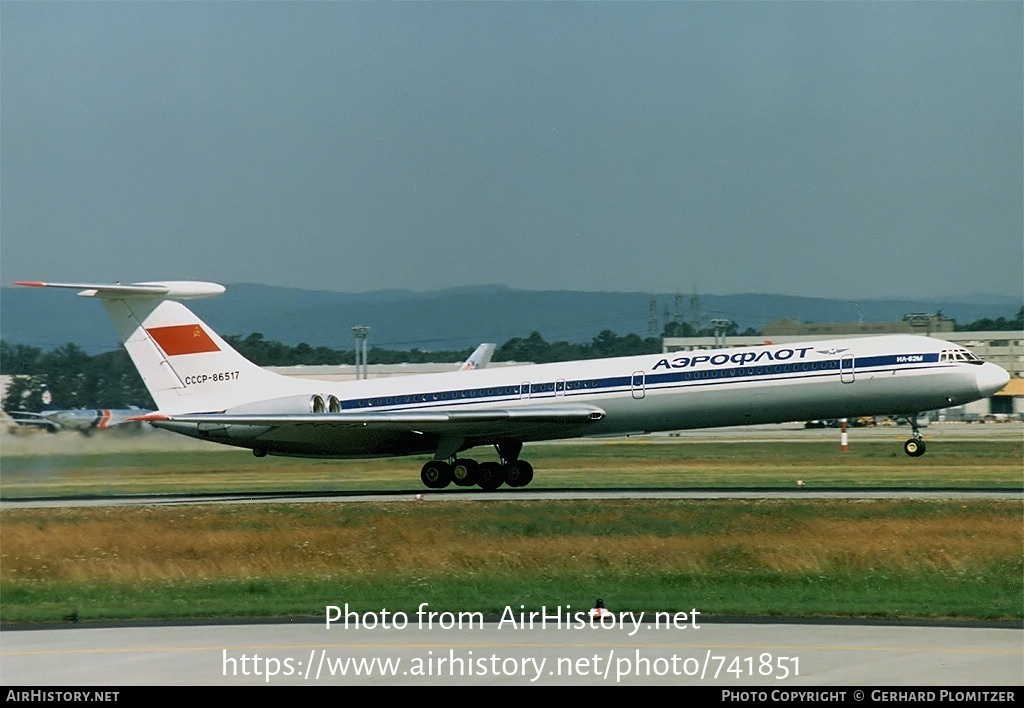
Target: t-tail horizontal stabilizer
<point>186,366</point>
<point>169,290</point>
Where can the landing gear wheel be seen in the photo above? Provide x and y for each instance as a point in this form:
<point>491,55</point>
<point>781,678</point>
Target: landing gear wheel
<point>518,473</point>
<point>914,447</point>
<point>490,476</point>
<point>464,472</point>
<point>436,474</point>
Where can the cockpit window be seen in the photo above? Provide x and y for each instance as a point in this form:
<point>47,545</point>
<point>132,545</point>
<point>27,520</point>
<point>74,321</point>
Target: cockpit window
<point>961,355</point>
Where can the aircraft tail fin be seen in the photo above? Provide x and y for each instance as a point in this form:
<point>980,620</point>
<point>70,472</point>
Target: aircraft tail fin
<point>480,357</point>
<point>187,367</point>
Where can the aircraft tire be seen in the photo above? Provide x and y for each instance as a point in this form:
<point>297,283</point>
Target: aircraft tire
<point>436,474</point>
<point>464,472</point>
<point>490,476</point>
<point>518,473</point>
<point>914,447</point>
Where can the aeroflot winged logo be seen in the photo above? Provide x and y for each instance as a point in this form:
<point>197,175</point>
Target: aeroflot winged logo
<point>743,358</point>
<point>183,339</point>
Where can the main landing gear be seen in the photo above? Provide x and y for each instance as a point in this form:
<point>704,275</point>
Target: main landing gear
<point>915,446</point>
<point>465,472</point>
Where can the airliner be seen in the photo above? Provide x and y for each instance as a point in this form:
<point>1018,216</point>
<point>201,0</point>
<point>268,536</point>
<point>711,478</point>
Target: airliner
<point>205,389</point>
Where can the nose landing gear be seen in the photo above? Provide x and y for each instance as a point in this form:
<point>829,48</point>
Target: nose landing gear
<point>914,447</point>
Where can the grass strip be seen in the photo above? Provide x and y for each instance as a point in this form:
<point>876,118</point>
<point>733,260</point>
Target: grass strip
<point>873,558</point>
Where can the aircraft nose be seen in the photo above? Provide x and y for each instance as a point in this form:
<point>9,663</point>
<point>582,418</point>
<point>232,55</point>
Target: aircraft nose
<point>990,378</point>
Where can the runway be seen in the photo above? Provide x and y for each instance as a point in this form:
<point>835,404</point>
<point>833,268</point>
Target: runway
<point>779,656</point>
<point>519,495</point>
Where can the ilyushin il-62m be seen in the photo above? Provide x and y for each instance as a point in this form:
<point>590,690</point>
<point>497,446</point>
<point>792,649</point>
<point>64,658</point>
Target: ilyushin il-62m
<point>205,389</point>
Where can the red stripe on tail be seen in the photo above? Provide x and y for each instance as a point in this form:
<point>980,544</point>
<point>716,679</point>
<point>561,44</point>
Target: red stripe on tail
<point>183,339</point>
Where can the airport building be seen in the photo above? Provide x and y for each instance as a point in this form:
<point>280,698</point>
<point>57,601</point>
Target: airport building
<point>914,323</point>
<point>1004,348</point>
<point>351,372</point>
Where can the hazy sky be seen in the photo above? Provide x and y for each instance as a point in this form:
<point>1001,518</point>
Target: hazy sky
<point>846,149</point>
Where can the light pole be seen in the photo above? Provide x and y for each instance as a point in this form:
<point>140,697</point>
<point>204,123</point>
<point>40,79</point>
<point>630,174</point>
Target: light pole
<point>360,331</point>
<point>720,325</point>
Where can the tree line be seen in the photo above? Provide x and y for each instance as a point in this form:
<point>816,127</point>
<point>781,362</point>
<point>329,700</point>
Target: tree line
<point>75,379</point>
<point>999,324</point>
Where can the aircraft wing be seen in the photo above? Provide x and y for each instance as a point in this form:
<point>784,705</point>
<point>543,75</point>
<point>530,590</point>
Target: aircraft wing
<point>446,422</point>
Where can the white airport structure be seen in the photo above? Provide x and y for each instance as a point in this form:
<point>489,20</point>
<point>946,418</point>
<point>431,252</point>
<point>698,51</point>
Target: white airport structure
<point>349,372</point>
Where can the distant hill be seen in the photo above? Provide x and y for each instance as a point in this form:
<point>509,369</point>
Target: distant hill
<point>451,319</point>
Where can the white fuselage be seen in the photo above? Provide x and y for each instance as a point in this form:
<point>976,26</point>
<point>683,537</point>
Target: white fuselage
<point>739,386</point>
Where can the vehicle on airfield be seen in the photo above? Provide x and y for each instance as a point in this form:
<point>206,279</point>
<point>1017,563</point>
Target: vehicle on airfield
<point>864,421</point>
<point>204,389</point>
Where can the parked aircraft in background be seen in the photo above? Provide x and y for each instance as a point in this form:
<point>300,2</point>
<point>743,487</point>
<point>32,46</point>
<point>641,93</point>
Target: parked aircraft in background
<point>84,420</point>
<point>205,389</point>
<point>480,357</point>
